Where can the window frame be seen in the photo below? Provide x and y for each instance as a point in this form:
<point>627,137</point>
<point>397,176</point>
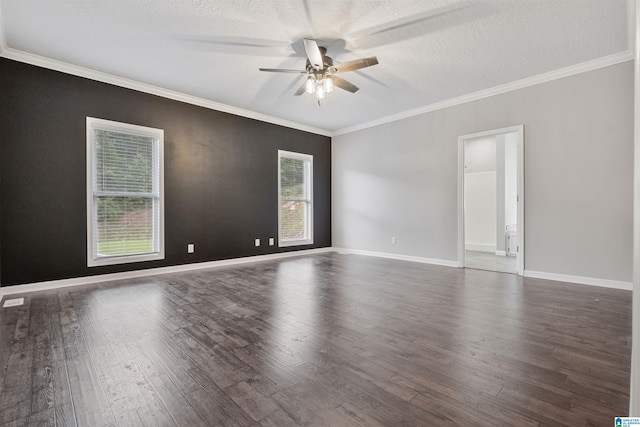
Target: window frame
<point>93,124</point>
<point>308,159</point>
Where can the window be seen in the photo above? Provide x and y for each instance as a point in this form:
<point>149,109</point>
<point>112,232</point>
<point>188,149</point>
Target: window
<point>125,205</point>
<point>295,199</point>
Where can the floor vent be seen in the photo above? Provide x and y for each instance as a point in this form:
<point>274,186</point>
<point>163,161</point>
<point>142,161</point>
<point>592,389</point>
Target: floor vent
<point>13,302</point>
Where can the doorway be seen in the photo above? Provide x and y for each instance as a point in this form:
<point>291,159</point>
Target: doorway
<point>491,200</point>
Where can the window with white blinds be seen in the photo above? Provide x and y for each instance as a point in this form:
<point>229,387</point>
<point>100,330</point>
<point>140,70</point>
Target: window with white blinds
<point>295,198</point>
<point>124,193</point>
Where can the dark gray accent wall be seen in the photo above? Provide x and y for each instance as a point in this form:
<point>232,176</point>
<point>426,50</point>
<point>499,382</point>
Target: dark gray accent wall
<point>220,175</point>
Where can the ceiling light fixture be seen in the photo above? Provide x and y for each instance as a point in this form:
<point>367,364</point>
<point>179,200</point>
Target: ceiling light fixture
<point>319,84</point>
<point>321,72</point>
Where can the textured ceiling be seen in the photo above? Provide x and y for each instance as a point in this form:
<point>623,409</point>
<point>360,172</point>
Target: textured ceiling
<point>430,51</point>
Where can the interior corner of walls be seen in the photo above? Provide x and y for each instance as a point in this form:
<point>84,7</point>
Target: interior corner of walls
<point>632,6</point>
<point>3,38</point>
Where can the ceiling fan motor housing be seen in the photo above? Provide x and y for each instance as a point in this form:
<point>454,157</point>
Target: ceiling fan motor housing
<point>327,63</point>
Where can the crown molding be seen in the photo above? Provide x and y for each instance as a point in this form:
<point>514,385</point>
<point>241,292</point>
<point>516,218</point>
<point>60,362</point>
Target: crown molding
<point>75,70</point>
<point>497,90</point>
<point>52,64</point>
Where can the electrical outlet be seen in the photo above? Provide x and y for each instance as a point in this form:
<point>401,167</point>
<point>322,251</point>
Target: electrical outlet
<point>257,242</point>
<point>393,240</point>
<point>190,248</point>
<point>272,241</point>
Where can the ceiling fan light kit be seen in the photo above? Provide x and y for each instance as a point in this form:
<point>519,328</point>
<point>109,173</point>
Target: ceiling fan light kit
<point>321,72</point>
<point>320,85</point>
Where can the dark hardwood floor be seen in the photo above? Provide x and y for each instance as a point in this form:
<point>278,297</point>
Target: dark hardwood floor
<point>322,340</point>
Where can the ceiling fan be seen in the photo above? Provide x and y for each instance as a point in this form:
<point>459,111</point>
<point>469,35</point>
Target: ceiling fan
<point>321,72</point>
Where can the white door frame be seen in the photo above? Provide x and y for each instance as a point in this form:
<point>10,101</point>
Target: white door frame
<point>519,129</point>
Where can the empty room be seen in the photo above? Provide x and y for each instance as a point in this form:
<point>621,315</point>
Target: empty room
<point>319,213</point>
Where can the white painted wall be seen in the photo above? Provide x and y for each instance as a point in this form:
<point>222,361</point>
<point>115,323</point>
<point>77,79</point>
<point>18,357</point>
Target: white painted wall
<point>480,155</point>
<point>480,211</point>
<point>480,194</point>
<point>634,398</point>
<point>400,179</point>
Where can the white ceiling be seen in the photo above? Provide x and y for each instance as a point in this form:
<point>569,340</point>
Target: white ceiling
<point>430,51</point>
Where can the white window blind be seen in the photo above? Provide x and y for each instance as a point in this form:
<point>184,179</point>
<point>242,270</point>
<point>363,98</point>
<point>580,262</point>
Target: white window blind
<point>295,216</point>
<point>125,197</point>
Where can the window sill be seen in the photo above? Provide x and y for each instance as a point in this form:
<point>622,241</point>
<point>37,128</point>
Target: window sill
<point>295,243</point>
<point>125,259</point>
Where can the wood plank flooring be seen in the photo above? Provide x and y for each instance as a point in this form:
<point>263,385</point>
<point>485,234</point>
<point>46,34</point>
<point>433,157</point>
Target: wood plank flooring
<point>322,340</point>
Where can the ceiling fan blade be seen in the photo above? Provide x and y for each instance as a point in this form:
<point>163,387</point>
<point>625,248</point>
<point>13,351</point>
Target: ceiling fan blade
<point>282,70</point>
<point>356,64</point>
<point>343,84</point>
<point>302,89</point>
<point>313,53</point>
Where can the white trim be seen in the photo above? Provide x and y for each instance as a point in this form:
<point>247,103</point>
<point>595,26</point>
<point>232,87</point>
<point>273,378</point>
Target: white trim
<point>308,164</point>
<point>76,70</point>
<point>519,129</point>
<point>479,247</point>
<point>501,253</point>
<point>634,395</point>
<point>461,238</point>
<point>497,90</point>
<point>102,278</point>
<point>93,124</point>
<point>399,257</point>
<point>605,283</point>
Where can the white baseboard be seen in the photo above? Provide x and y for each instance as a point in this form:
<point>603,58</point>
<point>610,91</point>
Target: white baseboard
<point>87,280</point>
<point>55,284</point>
<point>605,283</point>
<point>422,260</point>
<point>501,253</point>
<point>613,284</point>
<point>479,247</point>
